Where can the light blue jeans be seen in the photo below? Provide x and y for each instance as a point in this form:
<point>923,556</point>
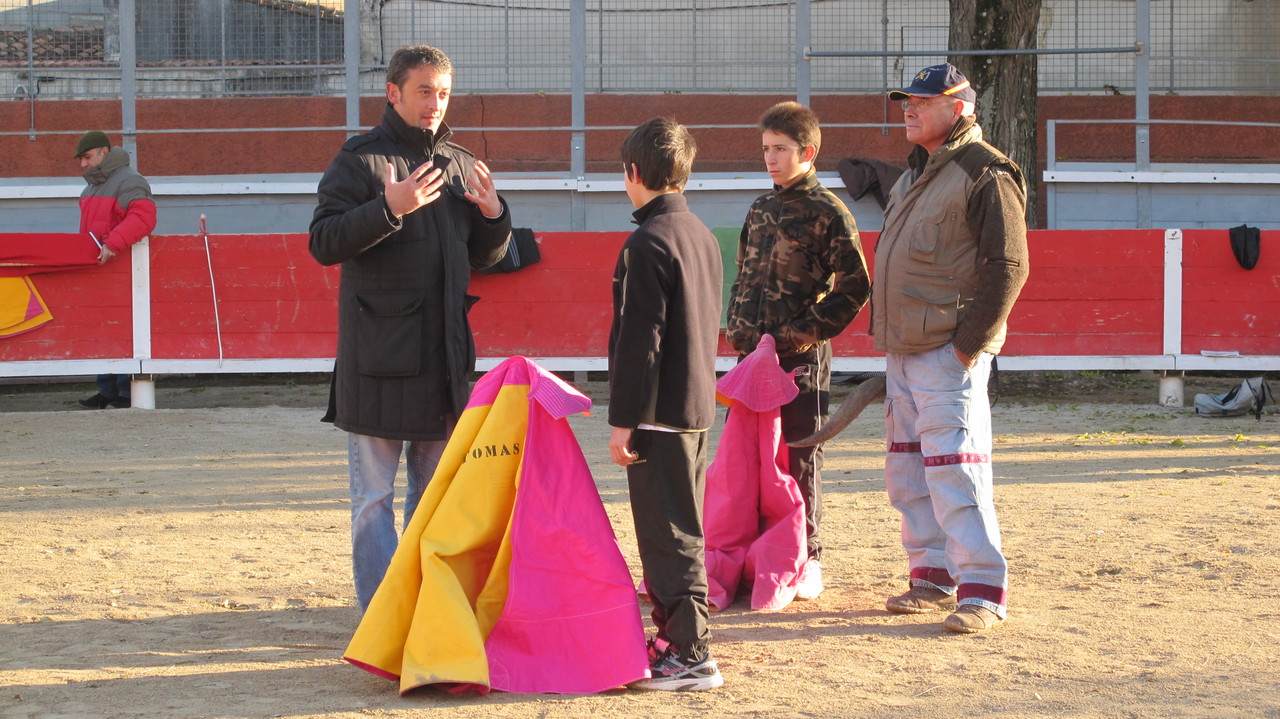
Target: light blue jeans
<point>938,474</point>
<point>373,463</point>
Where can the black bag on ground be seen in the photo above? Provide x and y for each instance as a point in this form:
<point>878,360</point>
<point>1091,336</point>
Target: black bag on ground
<point>1249,398</point>
<point>522,251</point>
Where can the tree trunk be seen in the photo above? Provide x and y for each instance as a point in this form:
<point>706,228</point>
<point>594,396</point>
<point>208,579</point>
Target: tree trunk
<point>371,32</point>
<point>1006,84</point>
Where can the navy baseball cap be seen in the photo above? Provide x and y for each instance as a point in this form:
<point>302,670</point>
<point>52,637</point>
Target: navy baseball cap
<point>935,81</point>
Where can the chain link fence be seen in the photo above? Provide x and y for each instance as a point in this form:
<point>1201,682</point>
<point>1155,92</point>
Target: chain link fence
<point>72,49</point>
<point>75,49</point>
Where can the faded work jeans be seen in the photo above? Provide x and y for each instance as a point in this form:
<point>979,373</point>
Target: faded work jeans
<point>373,463</point>
<point>938,473</point>
<point>114,385</point>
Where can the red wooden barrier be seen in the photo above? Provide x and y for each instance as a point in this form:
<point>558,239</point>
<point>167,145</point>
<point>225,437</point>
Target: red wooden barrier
<point>91,317</point>
<point>1224,306</point>
<point>1091,293</point>
<point>274,300</point>
<point>560,307</point>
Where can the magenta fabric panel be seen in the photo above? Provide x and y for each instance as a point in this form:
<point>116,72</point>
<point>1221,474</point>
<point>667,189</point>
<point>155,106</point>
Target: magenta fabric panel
<point>753,514</point>
<point>571,622</point>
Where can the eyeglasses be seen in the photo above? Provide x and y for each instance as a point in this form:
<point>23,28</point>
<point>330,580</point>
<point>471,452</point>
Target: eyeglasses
<point>918,105</point>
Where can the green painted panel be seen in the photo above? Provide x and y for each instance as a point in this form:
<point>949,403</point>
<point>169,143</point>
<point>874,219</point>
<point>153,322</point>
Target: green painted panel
<point>728,237</point>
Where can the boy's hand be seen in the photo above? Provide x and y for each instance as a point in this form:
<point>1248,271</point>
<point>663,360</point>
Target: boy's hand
<point>620,447</point>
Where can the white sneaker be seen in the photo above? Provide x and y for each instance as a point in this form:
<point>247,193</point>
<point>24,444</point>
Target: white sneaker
<point>672,675</point>
<point>809,585</point>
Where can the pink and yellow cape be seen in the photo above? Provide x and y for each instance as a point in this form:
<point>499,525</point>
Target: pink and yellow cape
<point>509,575</point>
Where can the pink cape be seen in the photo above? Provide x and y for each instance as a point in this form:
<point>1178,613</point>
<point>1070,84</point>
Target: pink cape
<point>753,515</point>
<point>509,575</point>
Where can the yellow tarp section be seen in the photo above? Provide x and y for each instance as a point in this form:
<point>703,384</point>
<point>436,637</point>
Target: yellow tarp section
<point>447,583</point>
<point>21,307</point>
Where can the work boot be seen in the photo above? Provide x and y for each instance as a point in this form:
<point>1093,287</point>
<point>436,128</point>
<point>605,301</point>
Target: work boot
<point>98,401</point>
<point>921,600</point>
<point>971,618</point>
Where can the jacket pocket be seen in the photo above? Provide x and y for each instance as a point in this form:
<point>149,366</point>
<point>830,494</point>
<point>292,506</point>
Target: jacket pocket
<point>389,334</point>
<point>929,315</point>
<point>934,233</point>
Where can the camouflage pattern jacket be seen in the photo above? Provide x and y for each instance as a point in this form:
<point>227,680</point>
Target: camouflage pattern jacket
<point>802,276</point>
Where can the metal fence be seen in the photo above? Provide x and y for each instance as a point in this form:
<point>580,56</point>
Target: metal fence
<point>84,49</point>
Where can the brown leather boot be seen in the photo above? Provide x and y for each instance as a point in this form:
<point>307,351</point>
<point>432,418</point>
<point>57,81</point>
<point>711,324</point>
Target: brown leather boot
<point>971,618</point>
<point>920,600</point>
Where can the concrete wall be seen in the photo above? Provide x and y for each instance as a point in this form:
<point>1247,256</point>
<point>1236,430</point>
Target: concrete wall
<point>284,203</point>
<point>177,147</point>
<point>173,140</point>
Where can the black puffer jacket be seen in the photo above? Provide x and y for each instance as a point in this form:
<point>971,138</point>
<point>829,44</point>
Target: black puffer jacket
<point>404,344</point>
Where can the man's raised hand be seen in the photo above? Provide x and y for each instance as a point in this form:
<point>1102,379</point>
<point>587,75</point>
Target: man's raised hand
<point>482,193</point>
<point>421,187</point>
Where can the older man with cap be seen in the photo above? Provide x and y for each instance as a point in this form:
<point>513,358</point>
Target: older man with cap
<point>950,262</point>
<point>116,209</point>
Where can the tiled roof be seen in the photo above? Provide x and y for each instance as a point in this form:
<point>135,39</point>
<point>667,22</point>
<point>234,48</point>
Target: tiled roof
<point>58,45</point>
<point>302,7</point>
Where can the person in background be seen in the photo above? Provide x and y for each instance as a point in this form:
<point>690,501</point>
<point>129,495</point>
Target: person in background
<point>950,262</point>
<point>407,214</point>
<point>662,379</point>
<point>117,210</point>
<point>802,278</point>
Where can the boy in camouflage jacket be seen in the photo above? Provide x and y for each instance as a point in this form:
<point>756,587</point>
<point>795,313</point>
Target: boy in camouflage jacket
<point>802,278</point>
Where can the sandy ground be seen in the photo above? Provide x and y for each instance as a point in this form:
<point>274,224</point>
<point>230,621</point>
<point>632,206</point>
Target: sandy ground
<point>193,562</point>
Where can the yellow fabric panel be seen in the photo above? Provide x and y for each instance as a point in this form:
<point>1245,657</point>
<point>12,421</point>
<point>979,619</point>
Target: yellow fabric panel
<point>16,294</point>
<point>15,299</point>
<point>447,582</point>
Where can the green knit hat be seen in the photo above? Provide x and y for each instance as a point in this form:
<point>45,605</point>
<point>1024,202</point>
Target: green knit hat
<point>90,140</point>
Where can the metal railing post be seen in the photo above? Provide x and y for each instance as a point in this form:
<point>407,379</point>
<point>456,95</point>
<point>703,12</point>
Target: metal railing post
<point>129,77</point>
<point>803,38</point>
<point>578,107</point>
<point>143,385</point>
<point>33,83</point>
<point>1051,163</point>
<point>1171,393</point>
<point>884,66</point>
<point>1142,105</point>
<point>351,52</point>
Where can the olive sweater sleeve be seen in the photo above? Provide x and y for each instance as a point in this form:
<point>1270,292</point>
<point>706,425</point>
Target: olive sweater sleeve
<point>997,217</point>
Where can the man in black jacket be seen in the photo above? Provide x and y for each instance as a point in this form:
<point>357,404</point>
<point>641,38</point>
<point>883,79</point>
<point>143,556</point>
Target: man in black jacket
<point>408,214</point>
